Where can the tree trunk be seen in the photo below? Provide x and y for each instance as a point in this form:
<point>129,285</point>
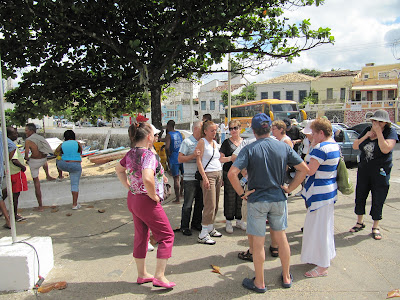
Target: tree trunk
<point>156,106</point>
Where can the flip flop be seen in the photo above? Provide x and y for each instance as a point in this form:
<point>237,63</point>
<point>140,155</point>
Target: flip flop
<point>313,273</point>
<point>6,226</point>
<point>246,255</point>
<point>356,228</point>
<point>287,285</point>
<point>249,284</point>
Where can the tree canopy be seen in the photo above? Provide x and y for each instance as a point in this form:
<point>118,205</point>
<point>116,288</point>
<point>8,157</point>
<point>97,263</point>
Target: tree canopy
<point>310,72</point>
<point>114,52</point>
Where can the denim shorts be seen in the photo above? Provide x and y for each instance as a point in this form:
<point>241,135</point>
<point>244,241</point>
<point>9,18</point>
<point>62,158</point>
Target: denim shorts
<point>75,172</point>
<point>259,212</point>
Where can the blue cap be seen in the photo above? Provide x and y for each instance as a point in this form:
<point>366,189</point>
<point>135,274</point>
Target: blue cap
<point>258,119</point>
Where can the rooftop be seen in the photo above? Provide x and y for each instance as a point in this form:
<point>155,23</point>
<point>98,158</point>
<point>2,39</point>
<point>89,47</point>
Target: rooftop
<point>339,73</point>
<point>291,77</point>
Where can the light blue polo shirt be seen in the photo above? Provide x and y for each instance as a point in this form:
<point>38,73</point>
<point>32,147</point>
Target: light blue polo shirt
<point>187,148</point>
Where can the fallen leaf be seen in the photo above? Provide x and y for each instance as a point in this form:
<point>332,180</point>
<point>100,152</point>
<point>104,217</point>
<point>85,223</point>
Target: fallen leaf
<point>216,269</point>
<point>68,214</point>
<point>51,286</point>
<point>393,294</point>
<point>101,211</point>
<point>53,210</point>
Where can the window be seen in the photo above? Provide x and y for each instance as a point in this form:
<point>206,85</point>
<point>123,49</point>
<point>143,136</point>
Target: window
<point>203,105</point>
<point>383,75</point>
<point>379,95</point>
<point>221,103</point>
<point>171,114</point>
<point>238,111</point>
<point>342,93</point>
<point>366,76</point>
<point>277,95</point>
<point>302,95</point>
<point>289,95</point>
<point>358,95</point>
<point>264,95</point>
<point>212,105</point>
<point>391,94</point>
<point>329,94</point>
<point>252,110</point>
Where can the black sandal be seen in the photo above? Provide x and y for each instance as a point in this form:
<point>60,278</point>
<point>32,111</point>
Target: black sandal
<point>274,251</point>
<point>356,228</point>
<point>246,255</point>
<point>376,235</point>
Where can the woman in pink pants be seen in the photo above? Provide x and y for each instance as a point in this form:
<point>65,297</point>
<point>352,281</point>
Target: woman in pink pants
<point>141,172</point>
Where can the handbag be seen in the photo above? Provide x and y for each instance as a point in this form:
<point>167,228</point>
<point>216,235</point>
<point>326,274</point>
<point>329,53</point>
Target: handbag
<point>197,175</point>
<point>342,178</point>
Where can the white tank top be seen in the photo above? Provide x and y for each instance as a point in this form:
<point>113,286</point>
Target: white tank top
<point>214,164</point>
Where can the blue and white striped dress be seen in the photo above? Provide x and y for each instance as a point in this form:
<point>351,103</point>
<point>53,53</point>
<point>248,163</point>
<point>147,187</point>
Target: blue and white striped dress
<point>320,193</point>
<point>321,188</point>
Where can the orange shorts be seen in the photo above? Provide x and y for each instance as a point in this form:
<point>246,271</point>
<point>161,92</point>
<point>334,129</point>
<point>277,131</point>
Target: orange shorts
<point>19,182</point>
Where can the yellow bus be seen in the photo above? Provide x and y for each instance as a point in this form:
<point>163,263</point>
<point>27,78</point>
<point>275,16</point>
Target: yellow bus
<point>276,109</point>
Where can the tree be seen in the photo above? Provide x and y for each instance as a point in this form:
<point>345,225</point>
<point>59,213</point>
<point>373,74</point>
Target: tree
<point>309,72</point>
<point>112,52</point>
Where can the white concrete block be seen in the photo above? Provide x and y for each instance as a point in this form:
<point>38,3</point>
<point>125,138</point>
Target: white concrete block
<point>19,263</point>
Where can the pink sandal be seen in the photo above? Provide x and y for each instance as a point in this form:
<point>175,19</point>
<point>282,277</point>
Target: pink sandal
<point>315,273</point>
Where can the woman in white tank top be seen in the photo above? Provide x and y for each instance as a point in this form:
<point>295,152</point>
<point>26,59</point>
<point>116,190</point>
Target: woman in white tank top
<point>210,169</point>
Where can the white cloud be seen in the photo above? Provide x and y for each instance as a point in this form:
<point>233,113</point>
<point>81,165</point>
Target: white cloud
<point>363,31</point>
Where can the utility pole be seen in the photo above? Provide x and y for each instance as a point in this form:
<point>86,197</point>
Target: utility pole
<point>229,87</point>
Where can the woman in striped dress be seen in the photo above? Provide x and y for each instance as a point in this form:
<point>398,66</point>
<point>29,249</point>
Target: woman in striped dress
<point>320,193</point>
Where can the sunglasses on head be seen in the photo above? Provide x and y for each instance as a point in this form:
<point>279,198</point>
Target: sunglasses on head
<point>233,128</point>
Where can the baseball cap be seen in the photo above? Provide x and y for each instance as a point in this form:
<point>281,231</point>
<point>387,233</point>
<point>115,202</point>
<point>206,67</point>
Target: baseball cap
<point>258,119</point>
<point>155,130</point>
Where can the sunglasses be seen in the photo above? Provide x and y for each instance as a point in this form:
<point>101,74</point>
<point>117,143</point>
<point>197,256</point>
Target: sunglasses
<point>233,128</point>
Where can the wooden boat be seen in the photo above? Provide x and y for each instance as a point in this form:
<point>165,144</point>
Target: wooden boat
<point>104,158</point>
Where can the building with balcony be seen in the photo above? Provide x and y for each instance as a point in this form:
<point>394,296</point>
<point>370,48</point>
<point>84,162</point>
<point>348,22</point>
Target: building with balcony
<point>376,83</point>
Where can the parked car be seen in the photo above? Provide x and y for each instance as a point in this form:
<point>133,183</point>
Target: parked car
<point>346,145</point>
<point>342,125</point>
<point>361,127</point>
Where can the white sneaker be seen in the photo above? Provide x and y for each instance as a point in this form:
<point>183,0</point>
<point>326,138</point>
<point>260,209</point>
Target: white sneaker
<point>150,247</point>
<point>241,225</point>
<point>78,206</point>
<point>229,227</point>
<point>206,240</point>
<point>215,233</point>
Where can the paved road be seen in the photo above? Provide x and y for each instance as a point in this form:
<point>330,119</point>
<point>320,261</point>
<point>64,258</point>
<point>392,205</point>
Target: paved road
<point>93,253</point>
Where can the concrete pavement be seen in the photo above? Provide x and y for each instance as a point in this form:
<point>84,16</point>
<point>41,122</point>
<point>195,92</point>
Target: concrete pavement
<point>93,253</point>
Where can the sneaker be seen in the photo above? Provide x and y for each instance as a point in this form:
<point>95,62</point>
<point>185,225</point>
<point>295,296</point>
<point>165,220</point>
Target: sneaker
<point>206,240</point>
<point>241,225</point>
<point>19,218</point>
<point>186,232</point>
<point>229,227</point>
<point>150,247</point>
<point>215,233</point>
<point>78,206</point>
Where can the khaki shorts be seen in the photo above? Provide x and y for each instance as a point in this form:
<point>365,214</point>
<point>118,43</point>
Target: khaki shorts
<point>35,164</point>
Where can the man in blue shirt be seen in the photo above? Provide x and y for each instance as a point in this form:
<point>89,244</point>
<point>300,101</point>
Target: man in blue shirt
<point>266,160</point>
<point>173,141</point>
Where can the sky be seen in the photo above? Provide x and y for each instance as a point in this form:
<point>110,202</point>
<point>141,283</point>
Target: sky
<point>364,32</point>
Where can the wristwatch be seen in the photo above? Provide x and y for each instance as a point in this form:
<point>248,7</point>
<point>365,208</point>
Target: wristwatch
<point>241,196</point>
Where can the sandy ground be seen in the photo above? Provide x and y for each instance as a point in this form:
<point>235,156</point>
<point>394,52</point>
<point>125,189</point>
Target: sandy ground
<point>88,169</point>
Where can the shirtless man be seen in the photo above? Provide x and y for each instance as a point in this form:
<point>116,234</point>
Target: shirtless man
<point>39,148</point>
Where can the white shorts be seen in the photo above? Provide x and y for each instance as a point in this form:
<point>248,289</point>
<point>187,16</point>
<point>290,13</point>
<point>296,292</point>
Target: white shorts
<point>35,164</point>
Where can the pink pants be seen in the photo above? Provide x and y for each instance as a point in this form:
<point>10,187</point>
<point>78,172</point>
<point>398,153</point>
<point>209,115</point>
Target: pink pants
<point>148,214</point>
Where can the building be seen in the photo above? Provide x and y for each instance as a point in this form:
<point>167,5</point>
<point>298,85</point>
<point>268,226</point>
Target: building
<point>210,96</point>
<point>292,86</point>
<point>376,83</point>
<point>334,86</point>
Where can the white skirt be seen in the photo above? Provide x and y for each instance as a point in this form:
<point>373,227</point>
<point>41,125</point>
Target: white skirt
<point>318,245</point>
